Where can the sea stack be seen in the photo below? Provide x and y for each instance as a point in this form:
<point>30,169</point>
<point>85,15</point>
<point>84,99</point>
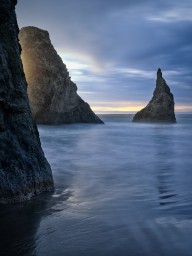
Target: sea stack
<point>161,106</point>
<point>52,95</point>
<point>24,170</point>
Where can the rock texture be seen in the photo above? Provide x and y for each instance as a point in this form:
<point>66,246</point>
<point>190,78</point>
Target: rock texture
<point>53,96</point>
<point>24,171</point>
<point>161,106</point>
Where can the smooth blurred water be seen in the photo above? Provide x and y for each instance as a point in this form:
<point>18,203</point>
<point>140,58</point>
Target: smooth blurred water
<point>121,189</point>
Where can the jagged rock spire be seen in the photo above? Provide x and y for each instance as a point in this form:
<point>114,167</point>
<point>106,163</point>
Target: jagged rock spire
<point>159,73</point>
<point>161,106</point>
<point>53,96</point>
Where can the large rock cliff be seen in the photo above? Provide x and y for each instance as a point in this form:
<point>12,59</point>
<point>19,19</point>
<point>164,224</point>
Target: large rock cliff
<point>161,106</point>
<point>24,171</point>
<point>53,96</point>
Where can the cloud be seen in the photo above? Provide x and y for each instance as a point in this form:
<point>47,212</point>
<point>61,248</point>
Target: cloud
<point>130,72</point>
<point>113,48</point>
<point>173,15</point>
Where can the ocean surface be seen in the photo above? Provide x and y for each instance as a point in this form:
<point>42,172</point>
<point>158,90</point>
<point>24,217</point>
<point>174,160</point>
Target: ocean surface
<point>122,189</point>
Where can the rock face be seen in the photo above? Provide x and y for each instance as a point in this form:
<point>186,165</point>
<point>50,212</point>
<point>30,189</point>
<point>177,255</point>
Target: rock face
<point>24,171</point>
<point>161,106</point>
<point>53,96</point>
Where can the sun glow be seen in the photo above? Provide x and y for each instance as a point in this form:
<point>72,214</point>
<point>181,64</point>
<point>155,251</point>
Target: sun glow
<point>78,61</point>
<point>117,107</point>
<point>183,108</point>
<point>128,107</point>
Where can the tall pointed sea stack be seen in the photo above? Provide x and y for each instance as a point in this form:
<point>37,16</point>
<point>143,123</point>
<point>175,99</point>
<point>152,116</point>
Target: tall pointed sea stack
<point>53,96</point>
<point>24,171</point>
<point>161,106</point>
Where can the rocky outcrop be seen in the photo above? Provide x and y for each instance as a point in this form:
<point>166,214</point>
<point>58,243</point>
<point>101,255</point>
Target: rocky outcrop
<point>161,106</point>
<point>53,96</point>
<point>24,171</point>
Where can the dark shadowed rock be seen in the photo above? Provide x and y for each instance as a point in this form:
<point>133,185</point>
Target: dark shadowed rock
<point>161,106</point>
<point>24,171</point>
<point>53,96</point>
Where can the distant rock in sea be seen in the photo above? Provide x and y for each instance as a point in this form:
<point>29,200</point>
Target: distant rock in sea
<point>161,106</point>
<point>53,96</point>
<point>24,170</point>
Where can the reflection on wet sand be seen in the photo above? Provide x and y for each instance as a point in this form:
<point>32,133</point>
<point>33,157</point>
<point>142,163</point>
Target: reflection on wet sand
<point>19,223</point>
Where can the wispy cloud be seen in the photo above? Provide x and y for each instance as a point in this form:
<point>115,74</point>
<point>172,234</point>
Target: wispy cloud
<point>131,72</point>
<point>74,61</point>
<point>87,78</point>
<point>135,72</point>
<point>173,15</point>
<point>86,92</point>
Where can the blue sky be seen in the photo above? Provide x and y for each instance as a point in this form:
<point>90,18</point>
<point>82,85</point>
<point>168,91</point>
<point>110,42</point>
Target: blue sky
<point>114,48</point>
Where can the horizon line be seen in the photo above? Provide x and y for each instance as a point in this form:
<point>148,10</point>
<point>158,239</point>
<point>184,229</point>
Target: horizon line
<point>130,112</point>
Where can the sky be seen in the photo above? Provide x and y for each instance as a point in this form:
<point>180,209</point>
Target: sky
<point>113,48</point>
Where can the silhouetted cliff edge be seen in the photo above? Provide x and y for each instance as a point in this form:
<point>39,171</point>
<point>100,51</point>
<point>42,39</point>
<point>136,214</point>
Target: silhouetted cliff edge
<point>24,171</point>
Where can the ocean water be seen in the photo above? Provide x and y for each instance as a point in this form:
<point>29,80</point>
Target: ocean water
<point>122,189</point>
